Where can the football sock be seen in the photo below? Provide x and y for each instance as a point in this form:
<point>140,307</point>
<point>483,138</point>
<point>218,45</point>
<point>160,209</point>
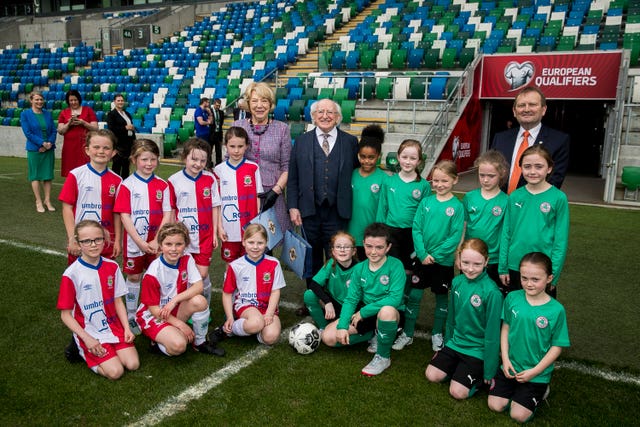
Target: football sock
<point>163,349</point>
<point>206,290</point>
<point>133,292</point>
<point>313,304</point>
<point>200,326</point>
<point>358,338</point>
<point>238,328</point>
<point>259,337</point>
<point>440,314</point>
<point>412,309</point>
<point>386,336</point>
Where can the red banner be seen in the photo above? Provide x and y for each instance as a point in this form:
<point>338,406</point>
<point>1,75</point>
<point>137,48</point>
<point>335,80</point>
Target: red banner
<point>560,75</point>
<point>463,145</point>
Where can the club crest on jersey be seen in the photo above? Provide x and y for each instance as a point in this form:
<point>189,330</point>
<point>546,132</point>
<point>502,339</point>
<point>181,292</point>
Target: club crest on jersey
<point>542,322</point>
<point>112,190</point>
<point>375,188</point>
<point>545,207</point>
<point>475,300</point>
<point>293,254</point>
<point>347,283</point>
<point>450,211</point>
<point>414,279</point>
<point>496,211</point>
<point>206,192</point>
<point>266,277</point>
<point>158,195</point>
<point>184,276</point>
<point>110,282</point>
<point>247,180</point>
<point>416,193</point>
<point>384,279</point>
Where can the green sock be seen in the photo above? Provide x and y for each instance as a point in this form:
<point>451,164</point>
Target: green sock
<point>357,338</point>
<point>386,336</point>
<point>313,304</point>
<point>412,309</point>
<point>440,314</point>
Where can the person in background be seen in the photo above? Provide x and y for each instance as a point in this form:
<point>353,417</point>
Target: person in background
<point>215,131</point>
<point>529,108</point>
<point>39,129</point>
<point>74,123</point>
<point>120,123</point>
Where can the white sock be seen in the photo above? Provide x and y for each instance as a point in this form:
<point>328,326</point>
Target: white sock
<point>163,349</point>
<point>200,326</point>
<point>133,293</point>
<point>238,328</point>
<point>206,291</point>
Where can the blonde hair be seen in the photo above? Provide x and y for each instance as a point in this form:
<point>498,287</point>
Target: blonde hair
<point>253,229</point>
<point>173,229</point>
<point>448,167</point>
<point>262,90</point>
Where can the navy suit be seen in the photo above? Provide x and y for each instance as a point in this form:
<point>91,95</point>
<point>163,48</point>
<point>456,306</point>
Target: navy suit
<point>555,141</point>
<point>321,221</point>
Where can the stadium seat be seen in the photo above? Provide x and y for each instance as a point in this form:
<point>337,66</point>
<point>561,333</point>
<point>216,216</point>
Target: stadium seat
<point>631,180</point>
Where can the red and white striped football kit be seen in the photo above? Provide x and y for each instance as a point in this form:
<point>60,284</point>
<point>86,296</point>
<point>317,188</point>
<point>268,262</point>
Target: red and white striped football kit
<point>251,283</point>
<point>92,195</point>
<point>193,200</point>
<point>145,200</point>
<point>90,292</point>
<point>160,283</point>
<point>239,187</point>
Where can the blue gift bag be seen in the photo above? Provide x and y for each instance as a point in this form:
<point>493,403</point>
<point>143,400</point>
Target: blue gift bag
<point>269,220</point>
<point>297,254</point>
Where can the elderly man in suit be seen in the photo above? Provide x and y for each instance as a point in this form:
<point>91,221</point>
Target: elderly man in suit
<point>319,192</point>
<point>529,107</point>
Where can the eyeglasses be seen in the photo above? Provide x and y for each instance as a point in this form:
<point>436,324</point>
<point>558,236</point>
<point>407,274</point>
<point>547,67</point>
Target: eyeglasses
<point>323,112</point>
<point>88,242</point>
<point>343,248</point>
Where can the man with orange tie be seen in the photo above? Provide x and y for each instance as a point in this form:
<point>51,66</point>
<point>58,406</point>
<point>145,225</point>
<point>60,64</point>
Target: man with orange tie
<point>529,107</point>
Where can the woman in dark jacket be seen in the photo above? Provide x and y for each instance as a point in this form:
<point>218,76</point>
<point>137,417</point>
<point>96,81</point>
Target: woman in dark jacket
<point>120,123</point>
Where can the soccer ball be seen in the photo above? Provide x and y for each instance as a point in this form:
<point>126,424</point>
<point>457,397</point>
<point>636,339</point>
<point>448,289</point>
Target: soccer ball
<point>304,338</point>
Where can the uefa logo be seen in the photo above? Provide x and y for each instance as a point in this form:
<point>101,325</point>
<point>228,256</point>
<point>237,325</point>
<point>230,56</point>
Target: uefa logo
<point>518,75</point>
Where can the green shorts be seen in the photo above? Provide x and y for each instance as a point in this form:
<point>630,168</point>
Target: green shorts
<point>41,165</point>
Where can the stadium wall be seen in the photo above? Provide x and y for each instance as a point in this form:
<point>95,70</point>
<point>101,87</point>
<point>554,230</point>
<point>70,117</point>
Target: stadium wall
<point>12,142</point>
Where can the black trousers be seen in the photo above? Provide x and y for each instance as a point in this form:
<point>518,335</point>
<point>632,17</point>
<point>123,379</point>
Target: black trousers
<point>319,229</point>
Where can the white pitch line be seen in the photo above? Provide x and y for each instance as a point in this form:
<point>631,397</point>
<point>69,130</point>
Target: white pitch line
<point>176,404</point>
<point>623,377</point>
<point>33,248</point>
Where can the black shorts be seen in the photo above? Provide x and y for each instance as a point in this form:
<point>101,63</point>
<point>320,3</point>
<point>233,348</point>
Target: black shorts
<point>402,245</point>
<point>367,324</point>
<point>466,370</point>
<point>528,395</point>
<point>434,276</point>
